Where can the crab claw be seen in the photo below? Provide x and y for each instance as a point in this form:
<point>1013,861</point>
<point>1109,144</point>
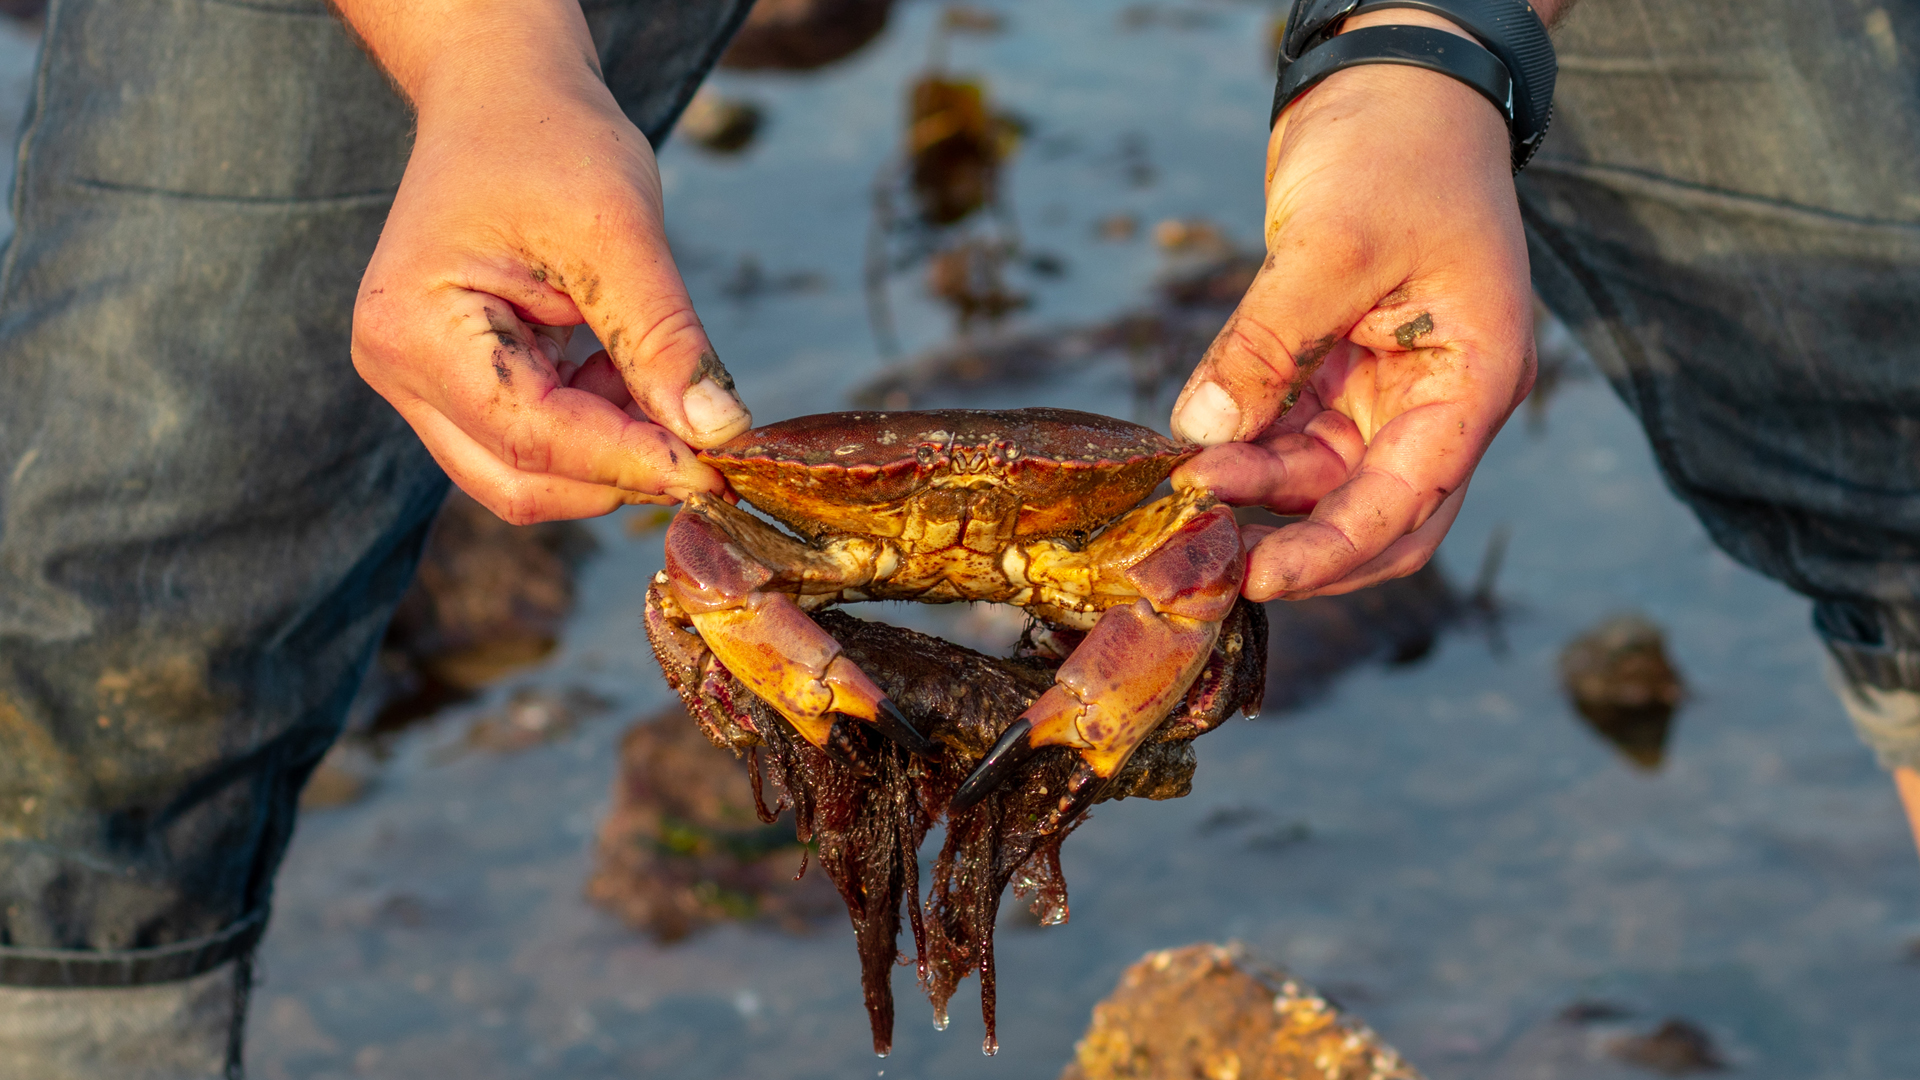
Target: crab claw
<point>791,664</point>
<point>1139,658</point>
<point>1014,746</point>
<point>1107,698</point>
<point>768,642</point>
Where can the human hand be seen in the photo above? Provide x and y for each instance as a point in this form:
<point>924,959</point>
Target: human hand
<point>531,205</point>
<point>1385,340</point>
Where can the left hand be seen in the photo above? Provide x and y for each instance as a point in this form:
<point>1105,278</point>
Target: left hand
<point>1386,339</point>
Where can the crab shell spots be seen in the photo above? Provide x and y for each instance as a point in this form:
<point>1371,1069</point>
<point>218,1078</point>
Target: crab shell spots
<point>839,473</point>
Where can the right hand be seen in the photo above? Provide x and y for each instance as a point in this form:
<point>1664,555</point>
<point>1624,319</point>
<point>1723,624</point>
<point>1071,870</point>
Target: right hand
<point>531,205</point>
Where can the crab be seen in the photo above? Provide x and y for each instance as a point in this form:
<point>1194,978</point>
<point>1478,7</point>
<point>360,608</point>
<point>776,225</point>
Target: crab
<point>1036,508</point>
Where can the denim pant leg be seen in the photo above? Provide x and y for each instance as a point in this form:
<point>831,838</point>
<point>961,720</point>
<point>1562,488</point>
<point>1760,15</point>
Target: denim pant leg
<point>205,516</point>
<point>1727,213</point>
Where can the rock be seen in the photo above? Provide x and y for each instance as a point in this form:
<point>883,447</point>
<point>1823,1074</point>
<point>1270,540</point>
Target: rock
<point>1202,1012</point>
<point>1194,236</point>
<point>489,599</point>
<point>1586,1011</point>
<point>719,124</point>
<point>341,779</point>
<point>1621,682</point>
<point>800,35</point>
<point>1676,1047</point>
<point>962,19</point>
<point>532,717</point>
<point>683,848</point>
<point>1313,642</point>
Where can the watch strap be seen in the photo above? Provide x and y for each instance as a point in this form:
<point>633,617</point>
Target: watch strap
<point>1513,32</point>
<point>1415,46</point>
<point>1509,29</point>
<point>1309,23</point>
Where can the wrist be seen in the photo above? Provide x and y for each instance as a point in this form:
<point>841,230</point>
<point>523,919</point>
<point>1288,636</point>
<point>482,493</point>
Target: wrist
<point>1398,89</point>
<point>1498,48</point>
<point>470,53</point>
<point>1383,112</point>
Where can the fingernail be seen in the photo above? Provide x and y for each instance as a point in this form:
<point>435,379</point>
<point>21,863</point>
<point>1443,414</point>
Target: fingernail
<point>1208,416</point>
<point>714,414</point>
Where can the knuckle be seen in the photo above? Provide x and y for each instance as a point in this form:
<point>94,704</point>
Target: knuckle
<point>524,448</point>
<point>520,509</point>
<point>668,322</point>
<point>1246,342</point>
<point>510,500</point>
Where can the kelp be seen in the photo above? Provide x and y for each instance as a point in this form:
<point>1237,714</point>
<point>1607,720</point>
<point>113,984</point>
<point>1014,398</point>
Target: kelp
<point>867,805</point>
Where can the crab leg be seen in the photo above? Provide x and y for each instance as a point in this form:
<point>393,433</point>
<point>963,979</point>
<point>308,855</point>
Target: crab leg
<point>1136,662</point>
<point>767,641</point>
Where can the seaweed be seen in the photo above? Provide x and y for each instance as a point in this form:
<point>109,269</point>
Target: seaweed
<point>867,805</point>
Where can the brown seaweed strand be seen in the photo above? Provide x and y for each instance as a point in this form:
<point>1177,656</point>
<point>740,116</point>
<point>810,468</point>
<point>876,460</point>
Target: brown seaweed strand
<point>862,832</point>
<point>759,795</point>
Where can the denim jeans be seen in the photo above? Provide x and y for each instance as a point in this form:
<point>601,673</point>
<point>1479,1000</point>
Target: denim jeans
<point>1727,211</point>
<point>206,517</point>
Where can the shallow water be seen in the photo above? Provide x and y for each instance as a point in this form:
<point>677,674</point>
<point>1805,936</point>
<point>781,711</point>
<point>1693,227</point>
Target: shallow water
<point>1443,846</point>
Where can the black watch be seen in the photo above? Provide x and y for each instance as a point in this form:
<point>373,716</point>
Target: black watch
<point>1508,29</point>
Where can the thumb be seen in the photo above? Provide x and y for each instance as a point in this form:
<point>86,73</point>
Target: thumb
<point>1308,295</point>
<point>637,305</point>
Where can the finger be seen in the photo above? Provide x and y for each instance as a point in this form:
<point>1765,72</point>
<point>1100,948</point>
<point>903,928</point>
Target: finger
<point>1402,557</point>
<point>1414,464</point>
<point>1288,473</point>
<point>598,376</point>
<point>491,378</point>
<point>515,496</point>
<point>633,297</point>
<point>1320,277</point>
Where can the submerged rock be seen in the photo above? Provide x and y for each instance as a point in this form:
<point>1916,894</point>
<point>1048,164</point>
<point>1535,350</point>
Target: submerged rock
<point>1621,682</point>
<point>1677,1047</point>
<point>683,846</point>
<point>720,124</point>
<point>800,35</point>
<point>533,716</point>
<point>489,600</point>
<point>1203,1012</point>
